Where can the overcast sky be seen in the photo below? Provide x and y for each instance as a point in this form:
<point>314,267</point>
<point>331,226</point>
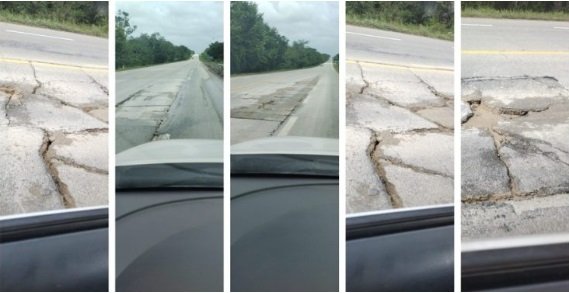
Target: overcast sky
<point>316,22</point>
<point>193,24</point>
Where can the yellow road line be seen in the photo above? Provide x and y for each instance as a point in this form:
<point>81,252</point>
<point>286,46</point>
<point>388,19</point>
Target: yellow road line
<point>401,66</point>
<point>513,52</point>
<point>55,65</point>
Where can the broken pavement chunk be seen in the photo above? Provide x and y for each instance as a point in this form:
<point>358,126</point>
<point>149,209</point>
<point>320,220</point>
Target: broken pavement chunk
<point>515,95</point>
<point>26,185</point>
<point>483,173</point>
<point>364,190</point>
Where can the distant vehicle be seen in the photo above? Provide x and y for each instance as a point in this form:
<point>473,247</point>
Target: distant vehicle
<point>284,215</point>
<point>401,250</point>
<point>169,216</point>
<point>64,250</point>
<point>536,263</point>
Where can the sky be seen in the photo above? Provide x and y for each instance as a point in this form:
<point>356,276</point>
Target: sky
<point>192,24</point>
<point>316,22</point>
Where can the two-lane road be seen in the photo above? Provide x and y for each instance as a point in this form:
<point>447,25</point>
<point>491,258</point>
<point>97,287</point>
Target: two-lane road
<point>367,44</point>
<point>505,47</point>
<point>301,102</point>
<point>399,115</point>
<point>54,120</point>
<point>515,77</point>
<point>169,101</point>
<point>39,44</point>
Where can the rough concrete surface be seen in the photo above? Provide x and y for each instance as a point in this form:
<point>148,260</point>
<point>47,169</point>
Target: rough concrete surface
<point>301,102</point>
<point>179,100</point>
<point>515,153</point>
<point>399,134</point>
<point>54,131</point>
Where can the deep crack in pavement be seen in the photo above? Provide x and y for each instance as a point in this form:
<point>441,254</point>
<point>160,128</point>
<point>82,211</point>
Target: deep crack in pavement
<point>515,152</point>
<point>54,137</point>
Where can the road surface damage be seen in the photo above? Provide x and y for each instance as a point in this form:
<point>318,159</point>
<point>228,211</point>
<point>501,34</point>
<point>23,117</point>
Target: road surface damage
<point>54,138</point>
<point>399,138</point>
<point>515,156</point>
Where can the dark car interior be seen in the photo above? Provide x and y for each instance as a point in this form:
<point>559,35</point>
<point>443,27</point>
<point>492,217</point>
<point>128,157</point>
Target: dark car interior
<point>169,239</point>
<point>63,251</point>
<point>284,223</point>
<point>401,251</point>
<point>528,268</point>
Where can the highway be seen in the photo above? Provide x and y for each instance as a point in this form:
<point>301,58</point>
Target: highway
<point>505,47</point>
<point>399,113</point>
<point>53,120</point>
<point>300,102</point>
<point>168,101</point>
<point>515,164</point>
<point>368,44</point>
<point>46,45</point>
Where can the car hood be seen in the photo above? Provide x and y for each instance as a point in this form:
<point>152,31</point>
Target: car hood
<point>288,145</point>
<point>173,151</point>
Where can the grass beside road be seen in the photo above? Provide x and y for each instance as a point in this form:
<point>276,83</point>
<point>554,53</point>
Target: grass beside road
<point>93,30</point>
<point>487,12</point>
<point>437,31</point>
<point>214,66</point>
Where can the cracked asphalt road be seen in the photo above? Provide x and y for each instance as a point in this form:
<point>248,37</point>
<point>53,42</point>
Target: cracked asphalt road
<point>515,131</point>
<point>53,121</point>
<point>399,95</point>
<point>301,102</point>
<point>169,101</point>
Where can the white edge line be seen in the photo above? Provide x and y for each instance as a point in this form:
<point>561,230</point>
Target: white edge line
<point>372,36</point>
<point>561,27</point>
<point>288,126</point>
<point>39,35</point>
<point>477,24</point>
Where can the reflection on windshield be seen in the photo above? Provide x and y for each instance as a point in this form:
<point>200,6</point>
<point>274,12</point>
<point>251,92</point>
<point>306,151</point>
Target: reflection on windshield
<point>281,164</point>
<point>172,175</point>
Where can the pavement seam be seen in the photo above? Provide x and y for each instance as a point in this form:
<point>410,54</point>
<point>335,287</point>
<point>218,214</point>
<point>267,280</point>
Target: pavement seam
<point>129,97</point>
<point>497,139</point>
<point>400,163</point>
<point>94,81</point>
<point>394,198</point>
<point>39,84</point>
<point>362,90</point>
<point>11,92</point>
<point>431,88</point>
<point>310,85</point>
<point>63,190</point>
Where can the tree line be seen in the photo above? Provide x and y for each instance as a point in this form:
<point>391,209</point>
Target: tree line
<point>146,49</point>
<point>214,52</point>
<point>405,12</point>
<point>534,6</point>
<point>257,47</point>
<point>79,12</point>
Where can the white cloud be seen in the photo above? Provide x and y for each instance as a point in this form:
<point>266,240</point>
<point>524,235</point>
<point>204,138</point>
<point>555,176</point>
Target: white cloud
<point>193,24</point>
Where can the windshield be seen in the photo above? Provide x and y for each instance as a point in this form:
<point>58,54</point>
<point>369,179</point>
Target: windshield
<point>54,127</point>
<point>289,86</point>
<point>169,93</point>
<point>399,105</point>
<point>515,127</point>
